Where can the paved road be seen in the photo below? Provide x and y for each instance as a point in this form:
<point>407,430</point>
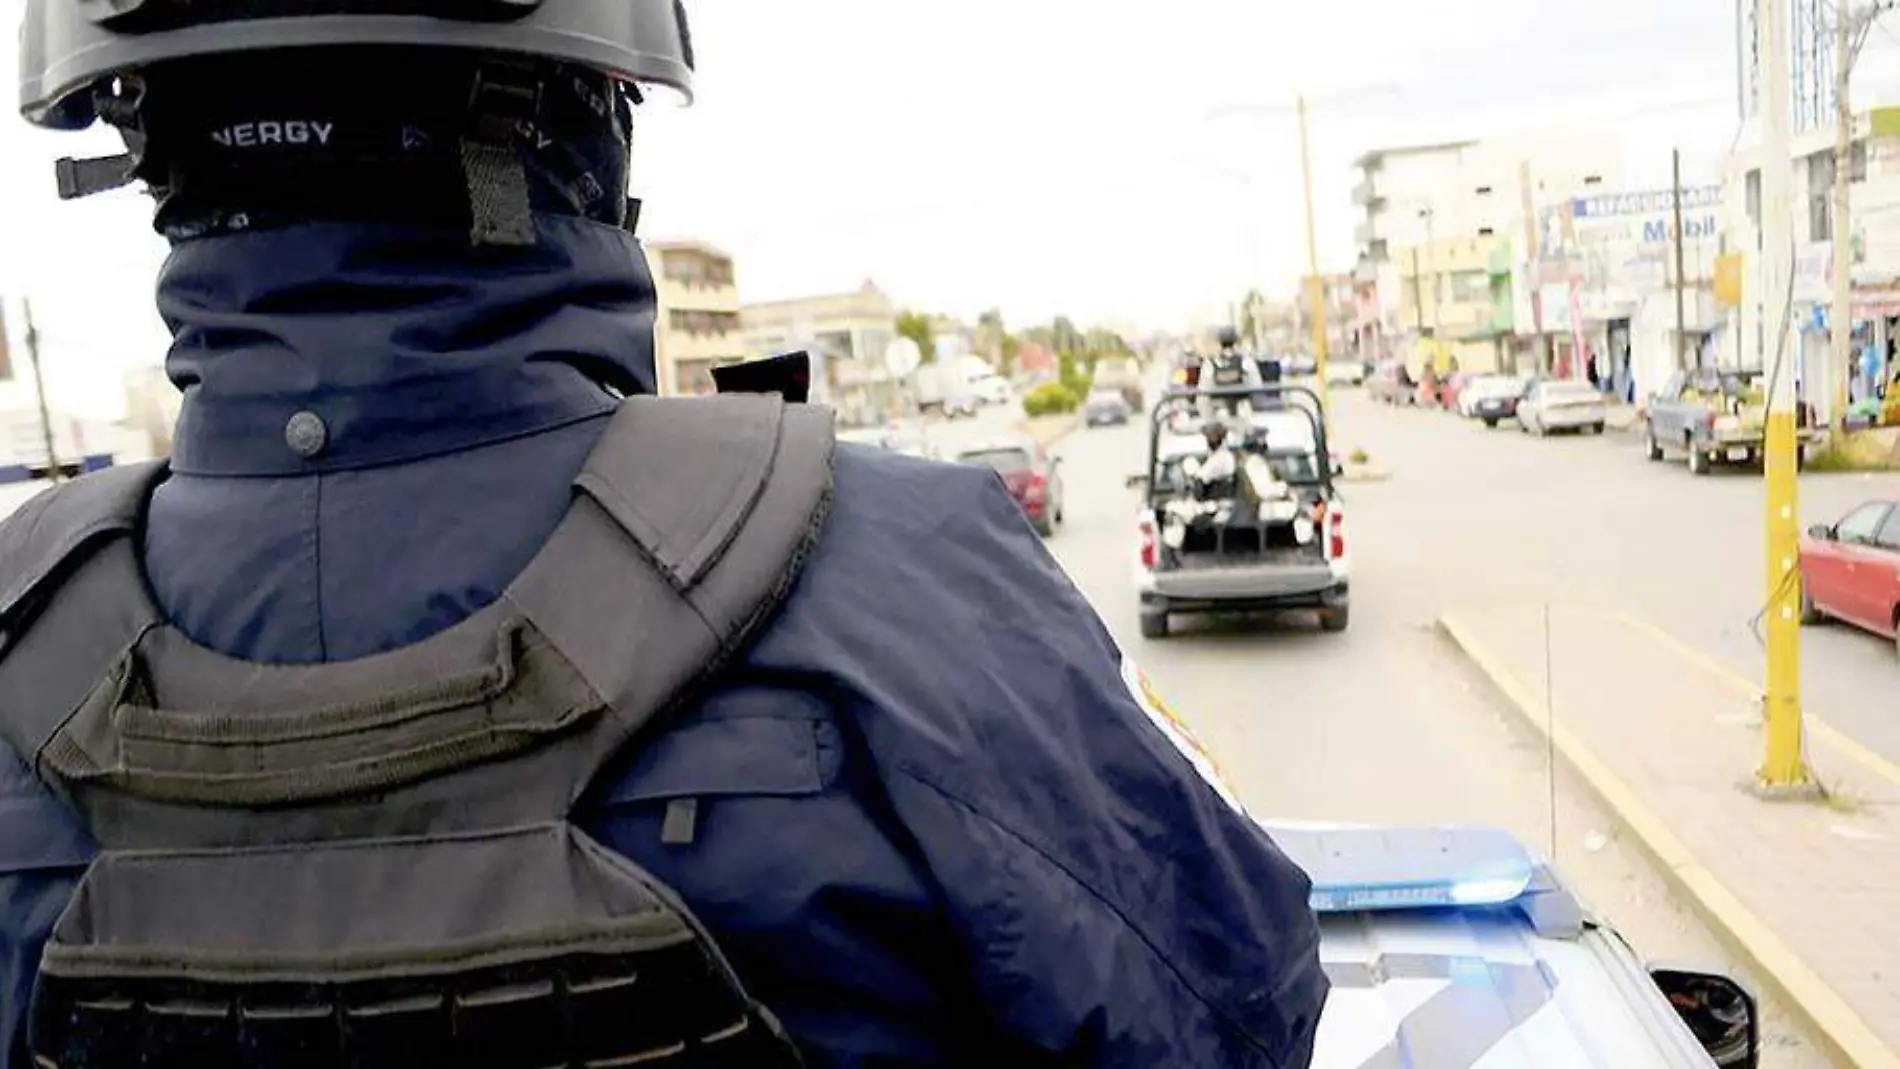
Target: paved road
<point>1380,724</point>
<point>1590,519</point>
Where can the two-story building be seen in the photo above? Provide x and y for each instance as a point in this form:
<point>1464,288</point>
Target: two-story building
<point>698,326</point>
<point>846,335</point>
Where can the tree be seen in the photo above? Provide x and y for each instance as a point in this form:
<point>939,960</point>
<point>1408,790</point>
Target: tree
<point>916,327</point>
<point>1064,337</point>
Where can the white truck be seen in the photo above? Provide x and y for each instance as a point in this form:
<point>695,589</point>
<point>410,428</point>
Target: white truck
<point>944,387</point>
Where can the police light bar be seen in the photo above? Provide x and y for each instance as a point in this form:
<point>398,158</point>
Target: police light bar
<point>1364,869</point>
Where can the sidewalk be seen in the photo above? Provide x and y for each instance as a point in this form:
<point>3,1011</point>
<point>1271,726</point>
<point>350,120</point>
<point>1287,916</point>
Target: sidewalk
<point>1808,893</point>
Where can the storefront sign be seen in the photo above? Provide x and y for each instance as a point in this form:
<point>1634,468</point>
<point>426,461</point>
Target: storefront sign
<point>1648,202</point>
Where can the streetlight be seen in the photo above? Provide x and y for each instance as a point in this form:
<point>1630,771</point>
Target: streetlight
<point>1316,287</point>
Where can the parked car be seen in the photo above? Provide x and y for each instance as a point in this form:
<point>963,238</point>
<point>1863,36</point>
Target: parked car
<point>1491,398</point>
<point>1548,406</point>
<point>1106,408</point>
<point>1717,416</point>
<point>1034,478</point>
<point>1850,570</point>
<point>1346,371</point>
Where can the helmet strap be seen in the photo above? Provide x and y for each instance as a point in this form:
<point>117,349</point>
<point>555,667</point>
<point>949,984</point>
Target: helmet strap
<point>84,177</point>
<point>504,103</point>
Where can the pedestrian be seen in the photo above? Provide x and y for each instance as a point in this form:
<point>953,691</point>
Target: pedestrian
<point>448,695</point>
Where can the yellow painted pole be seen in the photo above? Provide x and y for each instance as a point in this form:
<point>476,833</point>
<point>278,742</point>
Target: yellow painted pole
<point>1783,766</point>
<point>1316,286</point>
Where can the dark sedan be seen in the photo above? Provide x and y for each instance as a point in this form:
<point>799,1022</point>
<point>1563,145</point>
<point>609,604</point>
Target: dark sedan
<point>1106,408</point>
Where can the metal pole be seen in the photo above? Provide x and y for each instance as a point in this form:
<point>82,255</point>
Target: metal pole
<point>1533,259</point>
<point>1840,320</point>
<point>1783,766</point>
<point>39,388</point>
<point>1318,285</point>
<point>1418,299</point>
<point>1682,326</point>
<point>1579,362</point>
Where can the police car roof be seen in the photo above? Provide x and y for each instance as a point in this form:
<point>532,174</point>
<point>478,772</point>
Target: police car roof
<point>1490,984</point>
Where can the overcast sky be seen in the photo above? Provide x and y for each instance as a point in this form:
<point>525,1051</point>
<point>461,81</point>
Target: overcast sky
<point>1040,156</point>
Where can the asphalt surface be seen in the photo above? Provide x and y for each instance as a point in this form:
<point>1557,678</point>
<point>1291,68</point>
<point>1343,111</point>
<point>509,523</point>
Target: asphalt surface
<point>1590,519</point>
<point>1386,723</point>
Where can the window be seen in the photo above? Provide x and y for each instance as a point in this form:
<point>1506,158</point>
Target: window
<point>1820,195</point>
<point>1006,461</point>
<point>1470,286</point>
<point>1860,525</point>
<point>1889,537</point>
<point>1752,195</point>
<point>695,321</point>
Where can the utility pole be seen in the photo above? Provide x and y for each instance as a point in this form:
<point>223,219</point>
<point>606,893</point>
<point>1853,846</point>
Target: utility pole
<point>1533,260</point>
<point>1418,298</point>
<point>1682,326</point>
<point>1840,319</point>
<point>1314,282</point>
<point>1783,767</point>
<point>39,387</point>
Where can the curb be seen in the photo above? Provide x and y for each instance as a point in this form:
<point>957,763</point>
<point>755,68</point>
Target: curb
<point>1365,475</point>
<point>1055,435</point>
<point>1824,1015</point>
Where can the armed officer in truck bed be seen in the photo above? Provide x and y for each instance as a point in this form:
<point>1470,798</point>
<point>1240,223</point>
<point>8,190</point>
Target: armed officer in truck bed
<point>449,699</point>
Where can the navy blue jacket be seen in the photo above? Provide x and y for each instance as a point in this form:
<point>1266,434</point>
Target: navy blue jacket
<point>936,827</point>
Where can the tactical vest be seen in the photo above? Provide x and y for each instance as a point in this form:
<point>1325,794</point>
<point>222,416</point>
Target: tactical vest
<point>1229,371</point>
<point>371,862</point>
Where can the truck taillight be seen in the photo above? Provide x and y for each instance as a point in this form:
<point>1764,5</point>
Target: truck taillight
<point>1148,551</point>
<point>1335,534</point>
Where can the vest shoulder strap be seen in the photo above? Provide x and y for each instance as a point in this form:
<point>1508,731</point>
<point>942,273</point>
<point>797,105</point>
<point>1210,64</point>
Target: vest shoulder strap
<point>43,541</point>
<point>686,476</point>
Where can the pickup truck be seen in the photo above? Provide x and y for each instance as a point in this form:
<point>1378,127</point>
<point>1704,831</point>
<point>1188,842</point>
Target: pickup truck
<point>1264,534</point>
<point>1716,416</point>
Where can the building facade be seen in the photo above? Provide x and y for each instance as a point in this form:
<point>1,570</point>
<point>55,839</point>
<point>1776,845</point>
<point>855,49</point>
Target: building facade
<point>698,326</point>
<point>846,335</point>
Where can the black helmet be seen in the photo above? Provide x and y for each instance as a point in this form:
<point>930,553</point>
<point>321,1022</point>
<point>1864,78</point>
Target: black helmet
<point>70,48</point>
<point>1228,337</point>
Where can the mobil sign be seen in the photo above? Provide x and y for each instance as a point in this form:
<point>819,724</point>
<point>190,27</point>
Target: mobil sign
<point>1648,217</point>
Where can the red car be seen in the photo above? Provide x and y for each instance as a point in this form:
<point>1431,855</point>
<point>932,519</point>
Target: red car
<point>1850,571</point>
<point>1033,477</point>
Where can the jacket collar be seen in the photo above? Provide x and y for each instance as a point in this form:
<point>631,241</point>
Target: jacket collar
<point>339,346</point>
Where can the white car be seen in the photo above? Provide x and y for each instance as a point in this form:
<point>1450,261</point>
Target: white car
<point>1458,946</point>
<point>1561,406</point>
<point>1488,388</point>
<point>991,389</point>
<point>1346,372</point>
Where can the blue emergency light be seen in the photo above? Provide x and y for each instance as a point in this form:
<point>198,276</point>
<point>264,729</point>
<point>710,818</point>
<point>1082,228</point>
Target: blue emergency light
<point>1360,869</point>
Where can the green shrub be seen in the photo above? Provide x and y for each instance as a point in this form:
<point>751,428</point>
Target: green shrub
<point>1358,456</point>
<point>1051,399</point>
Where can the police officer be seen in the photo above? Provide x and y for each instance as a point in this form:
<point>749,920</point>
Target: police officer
<point>444,682</point>
<point>1228,367</point>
